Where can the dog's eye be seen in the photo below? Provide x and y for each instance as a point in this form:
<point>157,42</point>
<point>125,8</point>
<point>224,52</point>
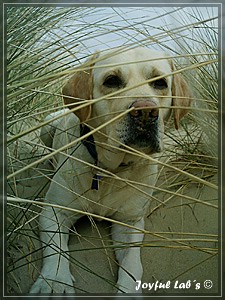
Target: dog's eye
<point>113,81</point>
<point>160,84</point>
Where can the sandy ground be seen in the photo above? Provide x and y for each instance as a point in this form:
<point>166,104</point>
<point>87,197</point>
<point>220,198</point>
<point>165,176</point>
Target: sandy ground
<point>184,265</point>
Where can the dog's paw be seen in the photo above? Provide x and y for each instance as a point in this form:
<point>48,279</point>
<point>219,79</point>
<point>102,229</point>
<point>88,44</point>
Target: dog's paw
<point>46,284</point>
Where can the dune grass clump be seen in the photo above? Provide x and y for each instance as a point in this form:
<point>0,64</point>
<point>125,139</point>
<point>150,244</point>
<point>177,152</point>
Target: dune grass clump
<point>44,45</point>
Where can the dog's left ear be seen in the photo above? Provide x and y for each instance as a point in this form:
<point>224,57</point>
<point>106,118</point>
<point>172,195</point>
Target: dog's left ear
<point>181,97</point>
<point>78,88</point>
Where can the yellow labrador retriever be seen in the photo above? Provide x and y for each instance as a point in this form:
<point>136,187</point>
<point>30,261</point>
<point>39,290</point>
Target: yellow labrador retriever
<point>130,94</point>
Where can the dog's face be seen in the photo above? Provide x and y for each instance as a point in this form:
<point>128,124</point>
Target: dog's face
<point>120,80</point>
<point>125,73</point>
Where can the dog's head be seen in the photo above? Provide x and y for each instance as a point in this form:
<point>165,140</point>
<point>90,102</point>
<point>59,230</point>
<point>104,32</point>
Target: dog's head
<point>137,80</point>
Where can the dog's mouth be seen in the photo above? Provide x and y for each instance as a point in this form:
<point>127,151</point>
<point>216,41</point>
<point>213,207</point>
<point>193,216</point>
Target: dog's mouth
<point>142,132</point>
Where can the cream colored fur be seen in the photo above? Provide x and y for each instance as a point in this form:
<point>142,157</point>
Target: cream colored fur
<point>70,187</point>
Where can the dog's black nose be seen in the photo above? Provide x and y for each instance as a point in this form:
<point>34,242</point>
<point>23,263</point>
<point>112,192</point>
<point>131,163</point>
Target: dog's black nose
<point>144,111</point>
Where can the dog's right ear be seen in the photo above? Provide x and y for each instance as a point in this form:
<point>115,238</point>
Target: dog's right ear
<point>79,88</point>
<point>182,97</point>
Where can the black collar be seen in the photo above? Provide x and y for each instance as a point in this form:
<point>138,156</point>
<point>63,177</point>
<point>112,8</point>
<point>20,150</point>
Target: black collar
<point>89,143</point>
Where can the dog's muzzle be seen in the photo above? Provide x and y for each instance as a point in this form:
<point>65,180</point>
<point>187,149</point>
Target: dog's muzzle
<point>143,126</point>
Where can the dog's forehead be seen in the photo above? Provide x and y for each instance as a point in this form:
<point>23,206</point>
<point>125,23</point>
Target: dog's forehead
<point>140,58</point>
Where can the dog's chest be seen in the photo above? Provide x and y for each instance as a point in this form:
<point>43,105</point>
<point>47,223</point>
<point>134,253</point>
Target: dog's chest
<point>124,195</point>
